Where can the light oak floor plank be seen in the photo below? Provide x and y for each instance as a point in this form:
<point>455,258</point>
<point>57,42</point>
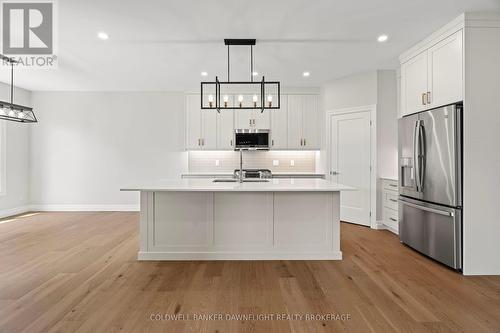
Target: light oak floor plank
<point>77,272</point>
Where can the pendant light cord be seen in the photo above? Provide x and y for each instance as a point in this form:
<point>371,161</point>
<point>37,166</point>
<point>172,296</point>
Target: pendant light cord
<point>251,63</point>
<point>228,69</point>
<point>11,83</point>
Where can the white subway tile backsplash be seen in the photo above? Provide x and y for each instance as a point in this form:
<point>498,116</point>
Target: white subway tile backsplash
<point>287,161</point>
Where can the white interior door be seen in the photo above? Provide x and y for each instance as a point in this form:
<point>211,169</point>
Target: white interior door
<point>350,164</point>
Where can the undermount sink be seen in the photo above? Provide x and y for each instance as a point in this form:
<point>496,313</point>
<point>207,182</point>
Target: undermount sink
<point>244,180</point>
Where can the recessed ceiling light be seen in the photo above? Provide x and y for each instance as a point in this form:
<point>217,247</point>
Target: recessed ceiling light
<point>204,73</point>
<point>102,35</point>
<point>306,74</point>
<point>382,38</point>
<point>255,73</point>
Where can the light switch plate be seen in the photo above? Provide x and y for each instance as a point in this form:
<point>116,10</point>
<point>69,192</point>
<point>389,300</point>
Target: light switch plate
<point>276,162</point>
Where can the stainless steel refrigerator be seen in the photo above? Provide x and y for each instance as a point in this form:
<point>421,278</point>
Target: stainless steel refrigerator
<point>430,183</point>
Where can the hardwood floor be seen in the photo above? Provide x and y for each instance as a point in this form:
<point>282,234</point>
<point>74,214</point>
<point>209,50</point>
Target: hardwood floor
<point>77,272</point>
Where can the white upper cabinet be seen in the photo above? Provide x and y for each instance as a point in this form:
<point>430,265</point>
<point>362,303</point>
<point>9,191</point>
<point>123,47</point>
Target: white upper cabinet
<point>209,129</point>
<point>193,122</point>
<point>294,126</point>
<point>295,108</point>
<point>201,125</point>
<point>310,121</point>
<point>434,77</point>
<point>279,126</point>
<point>303,122</point>
<point>262,120</point>
<point>225,129</point>
<point>446,71</point>
<point>246,119</point>
<point>414,84</point>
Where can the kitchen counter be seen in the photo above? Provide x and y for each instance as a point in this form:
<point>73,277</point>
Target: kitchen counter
<point>273,185</point>
<point>197,219</point>
<point>274,175</point>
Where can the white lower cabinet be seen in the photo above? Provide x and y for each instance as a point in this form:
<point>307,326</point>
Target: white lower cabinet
<point>390,203</point>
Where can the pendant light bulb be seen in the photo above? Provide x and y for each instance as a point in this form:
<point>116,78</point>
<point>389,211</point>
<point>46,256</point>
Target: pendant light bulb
<point>226,99</point>
<point>2,112</point>
<point>210,100</point>
<point>20,115</point>
<point>240,100</point>
<point>270,100</point>
<point>254,99</point>
<point>12,113</point>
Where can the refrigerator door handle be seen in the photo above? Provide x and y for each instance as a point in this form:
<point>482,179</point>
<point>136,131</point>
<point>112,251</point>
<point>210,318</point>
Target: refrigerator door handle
<point>416,169</point>
<point>421,155</point>
<point>428,209</point>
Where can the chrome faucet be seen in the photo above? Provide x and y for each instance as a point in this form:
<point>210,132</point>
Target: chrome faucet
<point>241,166</point>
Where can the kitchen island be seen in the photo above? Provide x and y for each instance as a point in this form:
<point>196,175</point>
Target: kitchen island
<point>199,219</point>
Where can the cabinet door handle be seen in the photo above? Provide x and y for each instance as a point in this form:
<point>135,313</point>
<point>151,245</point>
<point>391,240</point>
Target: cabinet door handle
<point>199,142</point>
<point>231,143</point>
<point>250,122</point>
<point>428,97</point>
<point>304,141</point>
<point>393,200</point>
<point>301,140</point>
<point>272,142</point>
<point>393,219</point>
<point>424,98</point>
<point>202,142</point>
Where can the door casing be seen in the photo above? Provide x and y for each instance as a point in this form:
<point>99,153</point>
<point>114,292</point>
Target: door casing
<point>373,153</point>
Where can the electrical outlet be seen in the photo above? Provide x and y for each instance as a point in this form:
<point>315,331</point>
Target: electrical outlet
<point>292,162</point>
<point>217,163</point>
<point>276,162</point>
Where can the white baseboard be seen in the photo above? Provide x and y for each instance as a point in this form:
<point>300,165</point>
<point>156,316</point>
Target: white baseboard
<point>14,211</point>
<point>85,208</point>
<point>335,255</point>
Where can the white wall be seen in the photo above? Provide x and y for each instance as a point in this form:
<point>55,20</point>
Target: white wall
<point>352,91</point>
<point>17,135</point>
<point>368,88</point>
<point>88,145</point>
<point>481,160</point>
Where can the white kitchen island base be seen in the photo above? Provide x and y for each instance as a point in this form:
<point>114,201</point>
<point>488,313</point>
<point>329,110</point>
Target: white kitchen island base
<point>239,226</point>
<point>199,219</point>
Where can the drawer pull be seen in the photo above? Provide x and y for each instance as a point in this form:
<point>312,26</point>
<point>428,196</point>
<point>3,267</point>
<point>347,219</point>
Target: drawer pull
<point>393,200</point>
<point>393,219</point>
<point>392,185</point>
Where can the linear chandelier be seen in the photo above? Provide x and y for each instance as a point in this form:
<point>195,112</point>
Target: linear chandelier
<point>250,95</point>
<point>11,111</point>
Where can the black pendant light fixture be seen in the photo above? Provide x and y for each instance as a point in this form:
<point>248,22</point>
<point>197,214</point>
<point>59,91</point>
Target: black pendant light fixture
<point>259,95</point>
<point>11,111</point>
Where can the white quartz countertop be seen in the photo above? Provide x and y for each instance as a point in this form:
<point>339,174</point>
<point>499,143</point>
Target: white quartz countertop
<point>274,175</point>
<point>208,185</point>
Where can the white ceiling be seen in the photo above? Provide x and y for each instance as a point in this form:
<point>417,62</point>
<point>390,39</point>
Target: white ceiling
<point>164,45</point>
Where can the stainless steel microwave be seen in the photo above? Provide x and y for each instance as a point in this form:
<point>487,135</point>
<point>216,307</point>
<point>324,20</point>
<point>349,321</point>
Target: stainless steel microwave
<point>251,139</point>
